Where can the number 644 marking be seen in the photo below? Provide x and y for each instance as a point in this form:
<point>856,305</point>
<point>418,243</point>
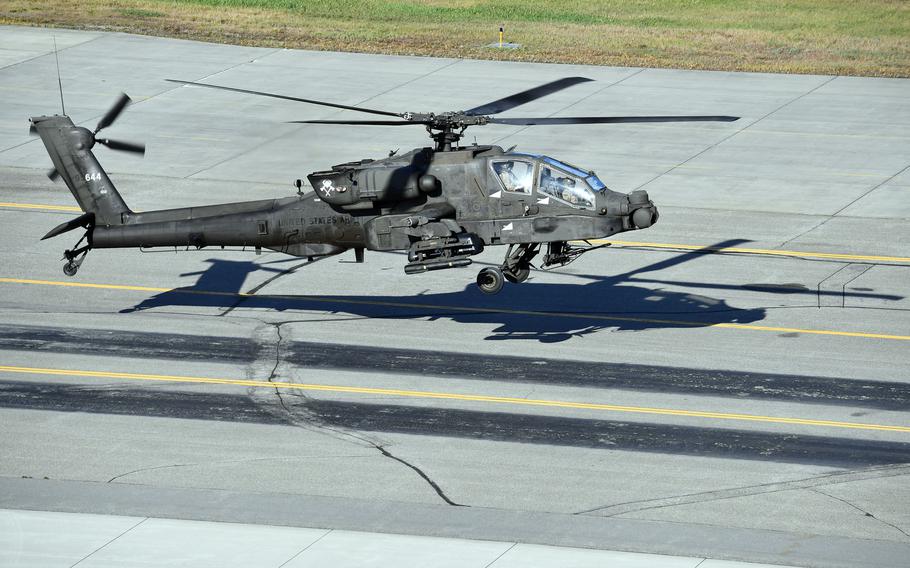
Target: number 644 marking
<point>93,177</point>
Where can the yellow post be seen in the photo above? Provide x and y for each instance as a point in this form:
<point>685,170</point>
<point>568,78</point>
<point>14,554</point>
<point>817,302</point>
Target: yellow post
<point>500,37</point>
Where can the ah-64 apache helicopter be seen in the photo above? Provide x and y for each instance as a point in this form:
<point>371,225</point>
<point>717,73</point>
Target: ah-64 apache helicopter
<point>442,205</point>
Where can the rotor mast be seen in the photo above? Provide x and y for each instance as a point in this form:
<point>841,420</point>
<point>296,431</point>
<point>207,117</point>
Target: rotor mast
<point>446,129</point>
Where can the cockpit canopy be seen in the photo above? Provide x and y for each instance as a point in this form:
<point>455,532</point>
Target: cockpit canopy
<point>550,178</point>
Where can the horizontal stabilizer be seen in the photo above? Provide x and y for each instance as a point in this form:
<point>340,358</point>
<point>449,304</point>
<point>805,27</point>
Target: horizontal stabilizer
<point>87,220</point>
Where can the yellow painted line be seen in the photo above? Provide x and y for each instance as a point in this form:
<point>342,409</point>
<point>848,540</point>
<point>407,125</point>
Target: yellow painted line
<point>616,243</point>
<point>464,309</point>
<point>453,396</point>
<point>89,285</point>
<point>770,252</point>
<point>40,207</point>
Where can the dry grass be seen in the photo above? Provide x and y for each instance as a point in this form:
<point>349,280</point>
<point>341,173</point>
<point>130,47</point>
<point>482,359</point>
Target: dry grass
<point>834,37</point>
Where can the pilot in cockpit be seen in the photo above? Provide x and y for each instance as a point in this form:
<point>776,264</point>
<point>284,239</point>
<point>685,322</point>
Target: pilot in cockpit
<point>507,176</point>
<point>568,190</point>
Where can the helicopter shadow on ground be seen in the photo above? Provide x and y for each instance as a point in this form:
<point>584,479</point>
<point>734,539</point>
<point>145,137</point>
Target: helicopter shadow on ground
<point>542,311</point>
<point>218,286</point>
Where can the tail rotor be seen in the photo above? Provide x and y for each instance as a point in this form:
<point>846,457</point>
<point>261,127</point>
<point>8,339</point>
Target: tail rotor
<point>107,120</point>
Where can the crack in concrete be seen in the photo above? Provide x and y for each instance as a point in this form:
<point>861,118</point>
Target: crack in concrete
<point>274,371</point>
<point>315,423</point>
<point>152,468</point>
<point>861,510</point>
<point>229,462</point>
<point>421,473</point>
<point>746,491</point>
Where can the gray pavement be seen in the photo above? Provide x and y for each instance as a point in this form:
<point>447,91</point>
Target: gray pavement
<point>44,539</point>
<point>817,164</point>
<point>461,523</point>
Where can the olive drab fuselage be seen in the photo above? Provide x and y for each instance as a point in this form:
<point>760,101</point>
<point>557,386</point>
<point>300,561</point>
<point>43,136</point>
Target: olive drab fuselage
<point>442,205</point>
<point>387,205</point>
<point>423,194</point>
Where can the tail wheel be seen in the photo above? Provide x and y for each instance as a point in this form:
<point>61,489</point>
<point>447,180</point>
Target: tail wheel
<point>490,280</point>
<point>70,268</point>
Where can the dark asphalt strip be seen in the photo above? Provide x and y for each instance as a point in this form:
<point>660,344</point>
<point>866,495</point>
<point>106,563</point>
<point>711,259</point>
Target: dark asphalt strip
<point>127,344</point>
<point>136,402</point>
<point>458,423</point>
<point>611,435</point>
<point>624,376</point>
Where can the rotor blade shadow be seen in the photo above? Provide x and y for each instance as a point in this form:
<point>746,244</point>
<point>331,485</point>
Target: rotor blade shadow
<point>793,288</point>
<point>570,309</point>
<point>219,285</point>
<point>679,259</point>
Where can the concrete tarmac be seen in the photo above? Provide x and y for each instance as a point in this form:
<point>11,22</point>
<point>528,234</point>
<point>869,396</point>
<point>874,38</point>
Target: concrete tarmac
<point>651,398</point>
<point>30,539</point>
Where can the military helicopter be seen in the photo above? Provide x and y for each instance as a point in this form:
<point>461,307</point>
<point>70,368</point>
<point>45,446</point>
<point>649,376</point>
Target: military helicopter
<point>441,204</point>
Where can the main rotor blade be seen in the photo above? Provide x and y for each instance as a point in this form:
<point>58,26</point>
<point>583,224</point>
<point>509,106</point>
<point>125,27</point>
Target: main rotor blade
<point>123,146</point>
<point>608,119</point>
<point>285,97</point>
<point>111,115</point>
<point>523,97</point>
<point>362,122</point>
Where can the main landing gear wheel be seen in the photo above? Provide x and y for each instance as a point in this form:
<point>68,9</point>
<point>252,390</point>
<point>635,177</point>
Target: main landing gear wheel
<point>490,280</point>
<point>518,274</point>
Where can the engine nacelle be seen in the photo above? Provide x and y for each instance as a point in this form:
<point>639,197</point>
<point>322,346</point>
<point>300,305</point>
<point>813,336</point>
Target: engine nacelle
<point>363,186</point>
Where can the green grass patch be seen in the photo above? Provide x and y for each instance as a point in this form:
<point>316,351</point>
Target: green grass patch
<point>140,13</point>
<point>864,19</point>
<point>869,38</point>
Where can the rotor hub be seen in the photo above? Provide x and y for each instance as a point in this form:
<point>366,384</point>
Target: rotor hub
<point>84,138</point>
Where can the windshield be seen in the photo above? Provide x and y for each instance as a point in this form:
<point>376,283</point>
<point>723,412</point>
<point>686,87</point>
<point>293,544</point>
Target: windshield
<point>565,187</point>
<point>514,175</point>
<point>590,177</point>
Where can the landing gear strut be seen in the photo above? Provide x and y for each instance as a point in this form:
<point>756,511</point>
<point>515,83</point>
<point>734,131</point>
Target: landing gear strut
<point>561,253</point>
<point>517,266</point>
<point>75,256</point>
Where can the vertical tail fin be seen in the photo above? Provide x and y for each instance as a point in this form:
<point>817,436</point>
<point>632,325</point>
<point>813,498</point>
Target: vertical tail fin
<point>70,148</point>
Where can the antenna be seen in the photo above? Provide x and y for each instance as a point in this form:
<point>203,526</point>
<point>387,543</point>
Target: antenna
<point>59,84</point>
